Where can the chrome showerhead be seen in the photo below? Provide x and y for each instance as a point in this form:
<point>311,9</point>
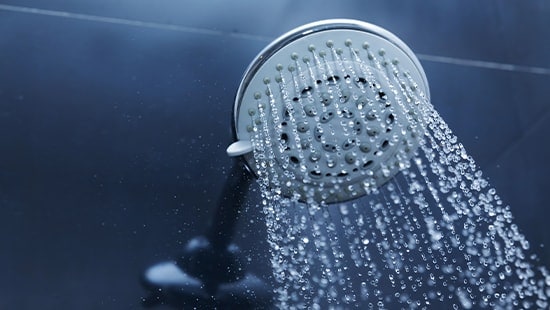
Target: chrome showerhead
<point>327,106</point>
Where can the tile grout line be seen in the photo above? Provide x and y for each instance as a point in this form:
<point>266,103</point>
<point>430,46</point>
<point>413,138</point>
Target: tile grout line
<point>196,30</point>
<point>128,22</point>
<point>484,64</point>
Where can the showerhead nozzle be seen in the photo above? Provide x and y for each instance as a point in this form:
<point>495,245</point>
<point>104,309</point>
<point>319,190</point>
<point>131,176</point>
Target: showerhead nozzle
<point>327,107</point>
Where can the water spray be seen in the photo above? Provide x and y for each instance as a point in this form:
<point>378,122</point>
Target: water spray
<point>336,115</point>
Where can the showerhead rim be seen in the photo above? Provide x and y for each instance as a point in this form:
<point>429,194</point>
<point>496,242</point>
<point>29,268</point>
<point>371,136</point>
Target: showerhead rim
<point>319,26</point>
<point>272,53</point>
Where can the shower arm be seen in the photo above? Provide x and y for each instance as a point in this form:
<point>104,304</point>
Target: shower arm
<point>223,224</point>
<point>212,257</point>
<point>208,272</point>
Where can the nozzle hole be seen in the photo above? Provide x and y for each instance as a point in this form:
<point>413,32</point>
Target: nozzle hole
<point>306,91</point>
<point>367,164</point>
<point>360,82</point>
<point>330,147</point>
<point>333,79</point>
<point>390,119</point>
<point>284,137</point>
<point>342,174</point>
<point>315,174</point>
<point>286,114</point>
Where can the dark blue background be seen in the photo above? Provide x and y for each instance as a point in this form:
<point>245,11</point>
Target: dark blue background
<point>114,122</point>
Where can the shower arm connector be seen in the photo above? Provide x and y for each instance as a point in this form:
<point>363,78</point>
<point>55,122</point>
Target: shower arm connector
<point>208,272</point>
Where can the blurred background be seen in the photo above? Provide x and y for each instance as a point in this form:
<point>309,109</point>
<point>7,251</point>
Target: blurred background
<point>115,116</point>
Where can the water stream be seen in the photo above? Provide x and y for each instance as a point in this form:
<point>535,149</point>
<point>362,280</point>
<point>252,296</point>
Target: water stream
<point>433,233</point>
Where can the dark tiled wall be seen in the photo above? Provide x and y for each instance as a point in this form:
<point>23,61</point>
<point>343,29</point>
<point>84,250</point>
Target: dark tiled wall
<point>115,115</point>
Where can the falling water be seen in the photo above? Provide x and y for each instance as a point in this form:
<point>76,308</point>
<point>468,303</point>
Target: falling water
<point>434,234</point>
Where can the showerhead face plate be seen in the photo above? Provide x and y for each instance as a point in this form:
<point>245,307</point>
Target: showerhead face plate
<point>327,106</point>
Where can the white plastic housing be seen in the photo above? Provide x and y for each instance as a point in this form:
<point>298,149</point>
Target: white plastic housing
<point>328,104</point>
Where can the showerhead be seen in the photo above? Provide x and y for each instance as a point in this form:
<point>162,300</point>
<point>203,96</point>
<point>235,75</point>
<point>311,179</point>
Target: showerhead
<point>327,107</point>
